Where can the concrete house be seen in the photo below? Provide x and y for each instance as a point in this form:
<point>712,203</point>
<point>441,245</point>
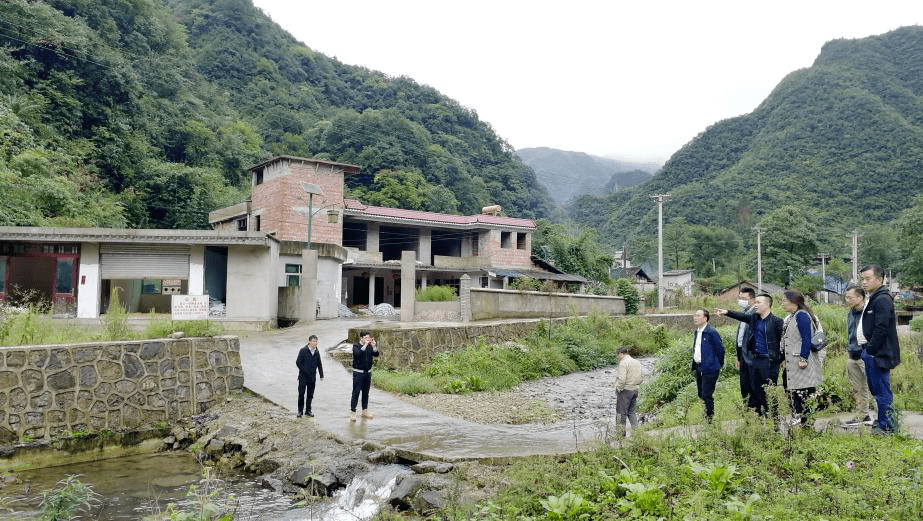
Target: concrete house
<point>359,246</point>
<point>678,281</point>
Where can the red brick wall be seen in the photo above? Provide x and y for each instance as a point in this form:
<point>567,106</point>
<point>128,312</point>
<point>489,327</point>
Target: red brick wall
<point>280,192</point>
<point>506,257</point>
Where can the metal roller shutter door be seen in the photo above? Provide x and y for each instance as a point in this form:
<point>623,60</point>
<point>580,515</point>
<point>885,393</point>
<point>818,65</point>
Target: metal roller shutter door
<point>140,261</point>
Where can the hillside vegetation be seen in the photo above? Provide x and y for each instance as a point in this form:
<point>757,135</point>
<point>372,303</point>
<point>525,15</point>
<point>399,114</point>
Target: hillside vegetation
<point>836,146</point>
<point>147,113</point>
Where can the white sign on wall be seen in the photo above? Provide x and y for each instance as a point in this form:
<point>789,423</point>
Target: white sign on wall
<point>189,307</point>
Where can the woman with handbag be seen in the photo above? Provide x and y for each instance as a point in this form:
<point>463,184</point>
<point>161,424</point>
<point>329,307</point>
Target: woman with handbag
<point>803,372</point>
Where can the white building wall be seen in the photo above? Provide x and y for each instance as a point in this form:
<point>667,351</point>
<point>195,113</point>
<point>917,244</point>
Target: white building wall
<point>196,269</point>
<point>329,287</point>
<point>252,292</point>
<point>88,281</point>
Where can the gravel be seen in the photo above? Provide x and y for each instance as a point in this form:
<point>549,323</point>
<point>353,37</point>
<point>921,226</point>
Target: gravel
<point>585,395</point>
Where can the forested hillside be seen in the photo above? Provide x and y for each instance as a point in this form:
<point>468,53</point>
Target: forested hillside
<point>836,146</point>
<point>146,113</point>
<point>570,174</point>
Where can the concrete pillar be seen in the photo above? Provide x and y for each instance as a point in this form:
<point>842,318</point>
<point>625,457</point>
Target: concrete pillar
<point>371,289</point>
<point>89,285</point>
<point>423,280</point>
<point>408,285</point>
<point>425,246</point>
<point>371,237</point>
<point>464,295</point>
<point>196,269</point>
<point>308,286</point>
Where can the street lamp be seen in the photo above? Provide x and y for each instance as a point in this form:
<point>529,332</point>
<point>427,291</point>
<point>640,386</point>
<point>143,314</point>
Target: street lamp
<point>311,189</point>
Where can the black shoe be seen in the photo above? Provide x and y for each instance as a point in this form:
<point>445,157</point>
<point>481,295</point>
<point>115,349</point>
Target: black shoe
<point>309,413</point>
<point>299,416</point>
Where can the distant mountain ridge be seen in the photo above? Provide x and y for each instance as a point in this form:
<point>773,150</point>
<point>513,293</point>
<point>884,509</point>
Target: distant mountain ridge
<point>842,138</point>
<point>570,174</point>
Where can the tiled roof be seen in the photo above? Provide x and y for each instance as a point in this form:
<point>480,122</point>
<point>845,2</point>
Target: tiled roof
<point>433,217</point>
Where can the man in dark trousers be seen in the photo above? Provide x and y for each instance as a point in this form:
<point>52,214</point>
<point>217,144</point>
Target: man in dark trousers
<point>877,335</point>
<point>761,343</point>
<point>363,354</point>
<point>309,365</point>
<point>707,360</point>
<point>746,297</point>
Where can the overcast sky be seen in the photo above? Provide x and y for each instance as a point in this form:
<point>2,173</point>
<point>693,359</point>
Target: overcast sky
<point>630,79</point>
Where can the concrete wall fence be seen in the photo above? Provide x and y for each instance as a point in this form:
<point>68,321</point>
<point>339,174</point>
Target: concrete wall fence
<point>49,390</point>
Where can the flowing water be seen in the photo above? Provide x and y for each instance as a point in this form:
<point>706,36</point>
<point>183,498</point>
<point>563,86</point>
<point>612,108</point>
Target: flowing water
<point>133,487</point>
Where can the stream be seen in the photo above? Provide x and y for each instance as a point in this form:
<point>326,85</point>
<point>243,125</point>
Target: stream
<point>133,487</point>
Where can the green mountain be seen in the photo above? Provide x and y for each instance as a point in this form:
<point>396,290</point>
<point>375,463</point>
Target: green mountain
<point>146,113</point>
<point>570,174</point>
<point>841,140</point>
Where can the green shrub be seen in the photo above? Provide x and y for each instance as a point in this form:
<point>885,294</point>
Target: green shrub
<point>625,289</point>
<point>916,324</point>
<point>436,294</point>
<point>115,321</point>
<point>526,284</point>
<point>63,502</point>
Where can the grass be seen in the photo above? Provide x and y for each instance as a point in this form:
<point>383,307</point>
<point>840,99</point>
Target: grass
<point>751,473</point>
<point>33,328</point>
<point>580,344</point>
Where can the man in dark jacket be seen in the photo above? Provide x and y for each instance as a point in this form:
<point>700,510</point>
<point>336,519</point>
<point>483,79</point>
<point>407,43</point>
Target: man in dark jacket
<point>878,337</point>
<point>309,365</point>
<point>364,353</point>
<point>762,346</point>
<point>707,360</point>
<point>746,298</point>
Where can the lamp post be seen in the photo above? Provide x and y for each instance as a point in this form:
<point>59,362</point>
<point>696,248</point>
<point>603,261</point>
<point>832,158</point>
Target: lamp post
<point>311,189</point>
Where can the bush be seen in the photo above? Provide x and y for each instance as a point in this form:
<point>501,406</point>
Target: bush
<point>436,294</point>
<point>916,324</point>
<point>526,284</point>
<point>625,289</point>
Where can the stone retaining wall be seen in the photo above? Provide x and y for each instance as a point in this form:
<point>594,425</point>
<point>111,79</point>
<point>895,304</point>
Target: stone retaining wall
<point>411,347</point>
<point>49,390</point>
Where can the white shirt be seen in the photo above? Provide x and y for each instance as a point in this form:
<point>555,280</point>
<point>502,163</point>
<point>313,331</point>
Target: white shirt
<point>860,336</point>
<point>697,353</point>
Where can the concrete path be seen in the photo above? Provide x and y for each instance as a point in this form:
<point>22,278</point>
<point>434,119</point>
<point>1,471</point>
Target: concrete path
<point>268,360</point>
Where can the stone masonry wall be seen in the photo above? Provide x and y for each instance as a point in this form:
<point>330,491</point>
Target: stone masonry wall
<point>49,390</point>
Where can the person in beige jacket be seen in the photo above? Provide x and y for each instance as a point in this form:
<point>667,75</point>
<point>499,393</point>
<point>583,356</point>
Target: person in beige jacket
<point>627,384</point>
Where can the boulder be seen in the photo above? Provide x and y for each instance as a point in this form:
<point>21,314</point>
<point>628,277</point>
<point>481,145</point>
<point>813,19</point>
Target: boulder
<point>427,467</point>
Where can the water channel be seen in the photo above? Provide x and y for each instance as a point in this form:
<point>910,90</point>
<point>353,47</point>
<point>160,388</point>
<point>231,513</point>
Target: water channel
<point>133,487</point>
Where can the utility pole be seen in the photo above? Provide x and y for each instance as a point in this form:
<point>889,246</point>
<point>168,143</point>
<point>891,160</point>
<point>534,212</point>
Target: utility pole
<point>660,198</point>
<point>759,259</point>
<point>855,256</point>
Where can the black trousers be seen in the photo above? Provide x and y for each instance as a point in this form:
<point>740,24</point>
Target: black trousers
<point>305,394</point>
<point>362,382</point>
<point>760,377</point>
<point>705,385</point>
<point>745,386</point>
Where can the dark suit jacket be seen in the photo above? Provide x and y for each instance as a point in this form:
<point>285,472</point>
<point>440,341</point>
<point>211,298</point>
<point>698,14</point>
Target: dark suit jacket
<point>309,364</point>
<point>712,351</point>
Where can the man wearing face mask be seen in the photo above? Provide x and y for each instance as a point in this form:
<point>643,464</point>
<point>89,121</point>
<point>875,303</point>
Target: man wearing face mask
<point>762,344</point>
<point>745,299</point>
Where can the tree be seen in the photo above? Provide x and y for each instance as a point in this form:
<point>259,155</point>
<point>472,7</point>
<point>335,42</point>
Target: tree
<point>625,289</point>
<point>789,243</point>
<point>577,253</point>
<point>910,239</point>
